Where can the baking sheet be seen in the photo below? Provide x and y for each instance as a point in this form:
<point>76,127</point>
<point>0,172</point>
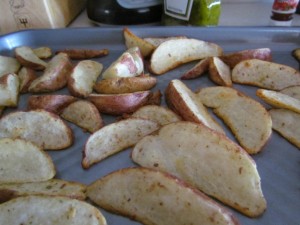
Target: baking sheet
<point>278,164</point>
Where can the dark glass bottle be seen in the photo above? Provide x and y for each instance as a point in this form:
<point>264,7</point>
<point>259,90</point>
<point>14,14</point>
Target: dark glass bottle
<point>125,12</point>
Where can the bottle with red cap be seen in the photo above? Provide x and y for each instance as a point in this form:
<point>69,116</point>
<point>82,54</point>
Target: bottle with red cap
<point>282,12</point>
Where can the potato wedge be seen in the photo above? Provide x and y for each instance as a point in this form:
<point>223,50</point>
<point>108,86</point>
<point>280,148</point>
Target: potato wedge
<point>129,64</point>
<point>173,53</point>
<point>50,103</point>
<point>268,75</point>
<point>153,197</point>
<point>132,40</point>
<point>55,75</point>
<point>200,68</point>
<point>26,57</point>
<point>84,54</point>
<point>185,103</point>
<point>43,128</point>
<point>237,110</point>
<point>8,65</point>
<point>233,58</point>
<point>114,138</point>
<point>9,90</point>
<point>121,85</point>
<point>84,114</point>
<point>51,210</point>
<point>287,124</point>
<point>219,72</point>
<point>23,161</point>
<point>43,52</point>
<point>296,54</point>
<point>207,160</point>
<point>83,78</point>
<point>52,187</point>
<point>118,104</point>
<point>293,91</point>
<point>156,41</point>
<point>159,114</point>
<point>279,100</point>
<point>26,76</point>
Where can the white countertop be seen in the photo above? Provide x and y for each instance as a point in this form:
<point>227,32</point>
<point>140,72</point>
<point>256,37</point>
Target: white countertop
<point>233,14</point>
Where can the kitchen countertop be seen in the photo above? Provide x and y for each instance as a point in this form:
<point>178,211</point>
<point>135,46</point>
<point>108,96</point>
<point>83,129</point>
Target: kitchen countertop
<point>233,14</point>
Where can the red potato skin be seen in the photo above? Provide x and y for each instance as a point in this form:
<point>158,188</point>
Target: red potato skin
<point>178,105</point>
<point>215,75</point>
<point>31,75</point>
<point>195,72</point>
<point>31,65</point>
<point>125,85</point>
<point>59,78</point>
<point>119,104</point>
<point>50,103</point>
<point>234,58</point>
<point>81,54</point>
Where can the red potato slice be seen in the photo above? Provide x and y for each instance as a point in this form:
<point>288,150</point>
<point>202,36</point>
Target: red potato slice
<point>55,75</point>
<point>121,85</point>
<point>83,78</point>
<point>84,114</point>
<point>52,187</point>
<point>219,72</point>
<point>56,210</point>
<point>153,197</point>
<point>206,160</point>
<point>114,138</point>
<point>173,53</point>
<point>43,128</point>
<point>43,52</point>
<point>279,100</point>
<point>237,110</point>
<point>293,91</point>
<point>186,104</point>
<point>129,64</point>
<point>287,124</point>
<point>231,59</point>
<point>50,103</point>
<point>84,54</point>
<point>26,76</point>
<point>156,41</point>
<point>19,160</point>
<point>26,56</point>
<point>118,104</point>
<point>159,114</point>
<point>200,68</point>
<point>9,90</point>
<point>132,40</point>
<point>8,65</point>
<point>268,75</point>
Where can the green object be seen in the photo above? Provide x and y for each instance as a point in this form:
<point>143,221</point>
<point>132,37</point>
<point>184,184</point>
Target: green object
<point>203,13</point>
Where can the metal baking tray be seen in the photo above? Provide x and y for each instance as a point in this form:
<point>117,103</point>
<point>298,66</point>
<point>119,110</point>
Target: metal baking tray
<point>278,164</point>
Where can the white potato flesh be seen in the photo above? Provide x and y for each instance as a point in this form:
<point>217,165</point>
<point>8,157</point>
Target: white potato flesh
<point>9,90</point>
<point>22,161</point>
<point>115,137</point>
<point>153,197</point>
<point>44,129</point>
<point>264,74</point>
<point>175,52</point>
<point>83,77</point>
<point>8,65</point>
<point>287,123</point>
<point>36,210</point>
<point>207,160</point>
